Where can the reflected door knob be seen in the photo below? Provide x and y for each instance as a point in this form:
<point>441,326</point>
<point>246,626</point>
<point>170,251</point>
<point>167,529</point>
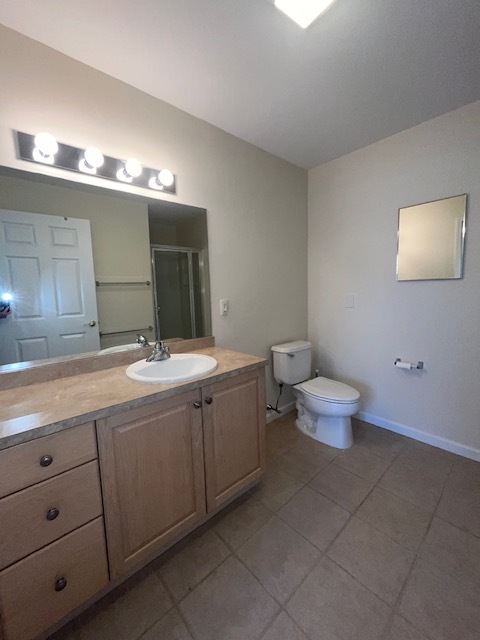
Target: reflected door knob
<point>92,323</point>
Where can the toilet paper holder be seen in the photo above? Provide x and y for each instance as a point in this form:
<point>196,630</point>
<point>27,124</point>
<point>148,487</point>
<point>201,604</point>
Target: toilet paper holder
<point>408,365</point>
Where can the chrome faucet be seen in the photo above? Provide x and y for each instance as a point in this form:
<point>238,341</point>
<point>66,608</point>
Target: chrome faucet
<point>160,352</point>
<point>141,340</point>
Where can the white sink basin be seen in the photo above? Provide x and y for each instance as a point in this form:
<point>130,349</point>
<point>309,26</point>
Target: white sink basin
<point>178,368</point>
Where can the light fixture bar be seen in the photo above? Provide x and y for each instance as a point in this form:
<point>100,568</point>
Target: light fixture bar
<point>303,12</point>
<point>72,159</point>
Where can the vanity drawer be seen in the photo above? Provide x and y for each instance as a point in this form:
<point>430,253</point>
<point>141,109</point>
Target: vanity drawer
<point>40,590</point>
<point>34,461</point>
<point>34,517</point>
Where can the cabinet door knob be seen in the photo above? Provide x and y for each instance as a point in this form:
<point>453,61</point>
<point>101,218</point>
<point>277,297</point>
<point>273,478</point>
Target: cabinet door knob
<point>46,461</point>
<point>197,404</point>
<point>209,400</point>
<point>60,584</point>
<point>52,513</point>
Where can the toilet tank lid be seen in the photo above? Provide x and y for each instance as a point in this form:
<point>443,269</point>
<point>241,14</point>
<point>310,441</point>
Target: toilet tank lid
<point>292,347</point>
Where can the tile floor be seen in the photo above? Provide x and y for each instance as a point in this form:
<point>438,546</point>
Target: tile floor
<point>381,541</point>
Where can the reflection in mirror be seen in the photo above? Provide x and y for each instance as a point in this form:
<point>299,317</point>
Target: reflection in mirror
<point>50,229</point>
<point>431,240</point>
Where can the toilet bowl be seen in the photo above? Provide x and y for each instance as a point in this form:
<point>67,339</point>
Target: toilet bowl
<point>324,406</point>
<point>324,409</point>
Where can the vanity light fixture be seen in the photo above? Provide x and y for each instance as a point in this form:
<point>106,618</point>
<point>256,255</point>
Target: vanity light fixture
<point>91,161</point>
<point>162,179</point>
<point>303,12</point>
<point>131,169</point>
<point>45,149</point>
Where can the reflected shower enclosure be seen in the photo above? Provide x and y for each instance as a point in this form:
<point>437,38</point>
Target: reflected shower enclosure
<point>179,292</point>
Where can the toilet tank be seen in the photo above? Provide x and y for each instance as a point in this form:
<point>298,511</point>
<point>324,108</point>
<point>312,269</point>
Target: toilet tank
<point>292,361</point>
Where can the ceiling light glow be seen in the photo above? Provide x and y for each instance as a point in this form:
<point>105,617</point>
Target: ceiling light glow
<point>45,149</point>
<point>303,12</point>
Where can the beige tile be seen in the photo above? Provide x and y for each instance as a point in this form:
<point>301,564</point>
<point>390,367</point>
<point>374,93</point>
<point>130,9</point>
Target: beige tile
<point>454,551</point>
<point>303,461</point>
<point>403,630</point>
<point>170,627</point>
<point>314,516</point>
<point>284,628</point>
<point>229,605</point>
<point>341,486</point>
<point>240,522</point>
<point>282,435</point>
<point>373,558</point>
<point>460,503</point>
<point>412,485</point>
<point>401,520</point>
<point>127,612</point>
<point>379,441</point>
<point>362,463</point>
<point>187,568</point>
<point>331,605</point>
<point>279,557</point>
<point>276,488</point>
<point>440,606</point>
<point>432,461</point>
<point>314,447</point>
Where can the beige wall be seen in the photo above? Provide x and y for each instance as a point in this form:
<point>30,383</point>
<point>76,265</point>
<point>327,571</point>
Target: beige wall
<point>256,203</point>
<point>353,208</point>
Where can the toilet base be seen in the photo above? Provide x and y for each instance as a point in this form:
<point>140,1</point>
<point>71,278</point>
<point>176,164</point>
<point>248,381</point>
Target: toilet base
<point>336,431</point>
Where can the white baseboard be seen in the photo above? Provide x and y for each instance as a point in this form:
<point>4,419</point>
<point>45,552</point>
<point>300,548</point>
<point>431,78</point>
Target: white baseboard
<point>273,415</point>
<point>422,436</point>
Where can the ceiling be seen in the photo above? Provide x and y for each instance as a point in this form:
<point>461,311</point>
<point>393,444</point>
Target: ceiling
<point>364,70</point>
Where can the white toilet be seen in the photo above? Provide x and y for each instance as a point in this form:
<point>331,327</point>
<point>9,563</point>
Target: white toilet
<point>324,406</point>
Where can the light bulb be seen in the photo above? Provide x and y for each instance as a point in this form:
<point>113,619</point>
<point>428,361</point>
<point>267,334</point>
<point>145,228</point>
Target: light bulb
<point>132,169</point>
<point>45,148</point>
<point>163,178</point>
<point>166,177</point>
<point>7,297</point>
<point>92,160</point>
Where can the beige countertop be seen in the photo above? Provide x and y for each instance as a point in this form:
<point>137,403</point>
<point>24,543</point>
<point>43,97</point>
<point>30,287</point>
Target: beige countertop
<point>47,407</point>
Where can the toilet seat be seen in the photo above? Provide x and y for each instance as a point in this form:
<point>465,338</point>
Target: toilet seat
<point>330,391</point>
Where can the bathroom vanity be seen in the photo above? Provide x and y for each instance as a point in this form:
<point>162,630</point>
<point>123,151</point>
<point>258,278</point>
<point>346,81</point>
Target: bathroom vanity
<point>100,474</point>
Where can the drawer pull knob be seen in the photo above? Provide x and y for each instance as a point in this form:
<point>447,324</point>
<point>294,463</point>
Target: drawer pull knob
<point>209,400</point>
<point>52,513</point>
<point>60,584</point>
<point>46,461</point>
<point>197,404</point>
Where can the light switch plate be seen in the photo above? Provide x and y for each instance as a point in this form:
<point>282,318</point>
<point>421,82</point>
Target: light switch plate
<point>224,307</point>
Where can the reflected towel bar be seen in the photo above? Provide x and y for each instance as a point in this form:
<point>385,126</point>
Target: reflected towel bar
<point>114,333</point>
<point>144,282</point>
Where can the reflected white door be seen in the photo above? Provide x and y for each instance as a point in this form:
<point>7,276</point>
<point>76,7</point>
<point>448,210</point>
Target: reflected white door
<point>46,263</point>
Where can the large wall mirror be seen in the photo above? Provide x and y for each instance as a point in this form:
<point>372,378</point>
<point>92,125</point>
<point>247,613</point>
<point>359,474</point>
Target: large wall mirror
<point>431,240</point>
<point>89,268</point>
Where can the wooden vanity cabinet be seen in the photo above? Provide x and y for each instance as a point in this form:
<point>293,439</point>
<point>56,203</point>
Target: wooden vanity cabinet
<point>168,464</point>
<point>234,435</point>
<point>151,462</point>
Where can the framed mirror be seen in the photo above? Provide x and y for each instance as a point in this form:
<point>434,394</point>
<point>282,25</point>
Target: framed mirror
<point>96,289</point>
<point>431,240</point>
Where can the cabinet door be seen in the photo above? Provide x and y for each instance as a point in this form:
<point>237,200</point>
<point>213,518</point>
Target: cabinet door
<point>151,462</point>
<point>234,433</point>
